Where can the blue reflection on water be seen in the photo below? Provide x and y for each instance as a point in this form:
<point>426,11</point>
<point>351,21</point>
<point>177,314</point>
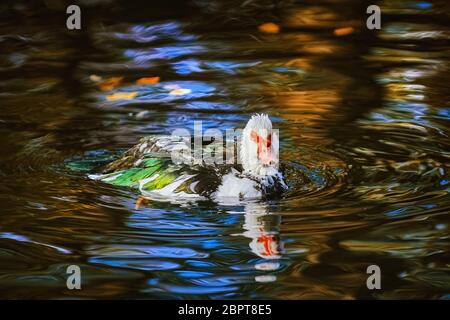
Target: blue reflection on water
<point>163,92</point>
<point>138,264</point>
<point>428,206</point>
<point>193,274</point>
<point>151,33</point>
<point>424,5</point>
<point>168,52</point>
<point>397,212</point>
<point>200,264</point>
<point>207,105</point>
<point>444,113</point>
<point>230,67</point>
<point>13,236</point>
<point>187,66</point>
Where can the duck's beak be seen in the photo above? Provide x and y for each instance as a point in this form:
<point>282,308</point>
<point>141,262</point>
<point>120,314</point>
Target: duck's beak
<point>265,153</point>
<point>267,157</point>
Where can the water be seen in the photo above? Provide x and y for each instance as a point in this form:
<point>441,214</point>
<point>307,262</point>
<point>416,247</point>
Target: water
<point>364,126</point>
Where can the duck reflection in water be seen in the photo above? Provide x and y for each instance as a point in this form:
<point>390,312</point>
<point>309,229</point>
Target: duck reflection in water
<point>263,228</point>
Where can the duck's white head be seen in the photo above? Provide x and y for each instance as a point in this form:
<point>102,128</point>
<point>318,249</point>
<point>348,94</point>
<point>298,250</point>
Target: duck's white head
<point>259,147</point>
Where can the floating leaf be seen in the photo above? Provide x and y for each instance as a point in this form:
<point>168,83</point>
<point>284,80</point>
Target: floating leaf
<point>180,92</point>
<point>147,80</point>
<point>95,78</point>
<point>343,31</point>
<point>111,83</point>
<point>122,96</point>
<point>269,27</point>
<point>143,114</point>
<point>140,201</point>
<point>171,87</point>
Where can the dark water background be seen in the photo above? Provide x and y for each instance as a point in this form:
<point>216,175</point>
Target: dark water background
<point>365,115</point>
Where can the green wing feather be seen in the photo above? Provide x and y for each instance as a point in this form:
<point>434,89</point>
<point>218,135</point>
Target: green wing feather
<point>131,177</point>
<point>148,166</point>
<point>158,172</point>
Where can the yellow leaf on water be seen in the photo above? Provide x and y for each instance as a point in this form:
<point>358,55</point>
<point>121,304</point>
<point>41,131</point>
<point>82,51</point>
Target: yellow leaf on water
<point>122,96</point>
<point>269,27</point>
<point>147,80</point>
<point>343,31</point>
<point>180,92</point>
<point>111,83</point>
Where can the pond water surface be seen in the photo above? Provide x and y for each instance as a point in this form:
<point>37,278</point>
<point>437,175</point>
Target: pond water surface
<point>365,115</point>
